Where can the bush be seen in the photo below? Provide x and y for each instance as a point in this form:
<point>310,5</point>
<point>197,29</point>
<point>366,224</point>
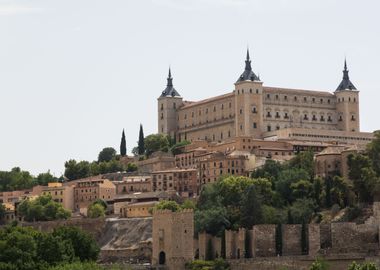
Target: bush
<point>218,264</point>
<point>319,264</point>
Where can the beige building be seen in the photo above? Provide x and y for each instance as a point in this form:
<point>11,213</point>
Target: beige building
<point>333,161</point>
<point>183,181</point>
<point>217,164</point>
<point>255,111</point>
<point>87,191</point>
<point>158,161</point>
<point>132,184</point>
<point>137,204</point>
<point>59,193</point>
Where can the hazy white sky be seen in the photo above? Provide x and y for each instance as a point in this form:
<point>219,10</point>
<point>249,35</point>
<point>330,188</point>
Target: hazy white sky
<point>74,73</point>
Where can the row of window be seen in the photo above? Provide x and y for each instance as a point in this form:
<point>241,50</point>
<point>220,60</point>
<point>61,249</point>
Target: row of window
<point>296,98</point>
<point>330,137</point>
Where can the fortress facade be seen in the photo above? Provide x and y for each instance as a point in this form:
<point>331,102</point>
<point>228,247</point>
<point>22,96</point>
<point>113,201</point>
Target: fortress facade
<point>263,112</point>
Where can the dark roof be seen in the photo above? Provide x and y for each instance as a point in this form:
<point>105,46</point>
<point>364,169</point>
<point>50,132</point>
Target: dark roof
<point>248,74</point>
<point>170,90</point>
<point>346,84</point>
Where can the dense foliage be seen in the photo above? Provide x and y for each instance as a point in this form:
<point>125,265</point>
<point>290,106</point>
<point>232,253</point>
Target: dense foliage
<point>97,209</point>
<point>17,179</point>
<point>27,249</point>
<point>42,208</point>
<point>174,206</point>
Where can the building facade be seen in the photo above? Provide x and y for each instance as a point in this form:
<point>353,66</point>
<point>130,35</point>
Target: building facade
<point>254,110</point>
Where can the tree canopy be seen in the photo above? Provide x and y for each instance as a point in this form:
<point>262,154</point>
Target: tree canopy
<point>42,208</point>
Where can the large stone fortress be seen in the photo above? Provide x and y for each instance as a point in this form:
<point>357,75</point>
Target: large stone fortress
<point>263,112</point>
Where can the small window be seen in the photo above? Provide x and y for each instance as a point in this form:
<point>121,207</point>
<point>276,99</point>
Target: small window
<point>269,128</point>
<point>254,125</point>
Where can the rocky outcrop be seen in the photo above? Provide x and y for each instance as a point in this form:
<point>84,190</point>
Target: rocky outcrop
<point>126,240</point>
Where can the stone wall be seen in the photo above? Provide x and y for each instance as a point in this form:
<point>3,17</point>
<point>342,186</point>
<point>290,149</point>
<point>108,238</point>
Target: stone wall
<point>293,263</point>
<point>314,239</point>
<point>264,241</point>
<point>348,237</point>
<point>291,243</point>
<point>93,226</point>
<point>231,244</point>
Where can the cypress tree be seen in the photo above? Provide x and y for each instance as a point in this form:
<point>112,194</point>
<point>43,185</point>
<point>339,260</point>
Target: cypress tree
<point>141,143</point>
<point>304,240</point>
<point>279,239</point>
<point>123,145</point>
<point>209,255</point>
<point>223,245</point>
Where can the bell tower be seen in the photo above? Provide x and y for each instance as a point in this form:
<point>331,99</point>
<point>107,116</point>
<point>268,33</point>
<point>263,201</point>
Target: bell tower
<point>168,103</point>
<point>347,104</point>
<point>248,102</point>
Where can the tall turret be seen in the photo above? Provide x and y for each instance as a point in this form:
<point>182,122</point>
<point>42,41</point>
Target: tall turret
<point>248,102</point>
<point>347,104</point>
<point>168,103</point>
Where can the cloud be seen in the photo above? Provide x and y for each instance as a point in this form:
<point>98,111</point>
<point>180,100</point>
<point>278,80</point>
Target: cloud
<point>8,9</point>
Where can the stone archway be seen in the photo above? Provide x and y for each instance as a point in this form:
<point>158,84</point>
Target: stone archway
<point>161,258</point>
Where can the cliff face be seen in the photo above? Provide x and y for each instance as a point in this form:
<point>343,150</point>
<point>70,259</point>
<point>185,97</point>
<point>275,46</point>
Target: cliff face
<point>126,240</point>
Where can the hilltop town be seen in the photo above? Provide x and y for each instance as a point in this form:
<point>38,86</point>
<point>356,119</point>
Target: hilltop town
<point>259,177</point>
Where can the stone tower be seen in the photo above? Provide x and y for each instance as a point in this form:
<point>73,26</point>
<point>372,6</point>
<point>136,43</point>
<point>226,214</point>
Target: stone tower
<point>173,238</point>
<point>168,103</point>
<point>249,103</point>
<point>347,104</point>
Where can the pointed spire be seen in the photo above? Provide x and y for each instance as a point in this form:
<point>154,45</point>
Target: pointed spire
<point>346,84</point>
<point>169,90</point>
<point>248,74</point>
<point>248,62</point>
<point>345,71</point>
<point>170,79</point>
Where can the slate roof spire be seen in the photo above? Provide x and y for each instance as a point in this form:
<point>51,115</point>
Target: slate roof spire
<point>170,90</point>
<point>248,74</point>
<point>345,84</point>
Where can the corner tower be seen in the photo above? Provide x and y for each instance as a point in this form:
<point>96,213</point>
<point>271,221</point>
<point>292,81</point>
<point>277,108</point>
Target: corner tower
<point>249,102</point>
<point>347,104</point>
<point>168,103</point>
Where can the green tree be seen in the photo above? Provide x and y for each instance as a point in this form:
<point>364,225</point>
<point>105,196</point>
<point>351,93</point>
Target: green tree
<point>286,179</point>
<point>167,205</point>
<point>96,210</point>
<point>373,150</point>
<point>45,178</point>
<point>213,221</point>
<point>251,209</point>
<point>178,147</point>
<point>317,191</point>
<point>302,210</point>
<point>54,250</point>
<point>107,154</point>
<point>304,161</point>
<point>84,245</point>
<point>141,142</point>
<point>301,189</point>
<point>123,145</point>
<point>279,239</point>
<point>2,211</point>
<point>41,209</point>
<point>131,167</point>
<point>156,142</point>
<point>76,170</point>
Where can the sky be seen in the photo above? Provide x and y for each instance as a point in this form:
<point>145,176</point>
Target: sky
<point>74,73</point>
